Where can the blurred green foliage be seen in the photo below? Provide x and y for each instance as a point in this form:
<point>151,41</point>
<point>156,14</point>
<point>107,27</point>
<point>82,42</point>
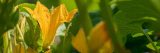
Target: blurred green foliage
<point>132,18</point>
<point>8,15</point>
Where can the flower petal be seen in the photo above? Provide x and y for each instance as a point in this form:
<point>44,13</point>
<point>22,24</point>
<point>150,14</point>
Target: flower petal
<point>98,37</point>
<point>107,48</point>
<point>63,12</point>
<point>55,21</point>
<point>19,48</point>
<point>79,42</point>
<point>58,16</point>
<point>43,16</point>
<point>71,14</point>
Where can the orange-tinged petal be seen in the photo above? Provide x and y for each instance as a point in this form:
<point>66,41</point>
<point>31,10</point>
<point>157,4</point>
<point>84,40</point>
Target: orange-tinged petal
<point>71,15</point>
<point>43,16</point>
<point>63,12</point>
<point>41,10</point>
<point>79,42</point>
<point>98,36</point>
<point>30,50</point>
<point>54,23</point>
<point>58,16</point>
<point>107,48</point>
<point>19,48</point>
<point>65,16</point>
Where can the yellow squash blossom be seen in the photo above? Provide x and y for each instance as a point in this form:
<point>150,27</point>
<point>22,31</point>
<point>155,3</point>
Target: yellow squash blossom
<point>80,43</point>
<point>50,20</point>
<point>97,41</point>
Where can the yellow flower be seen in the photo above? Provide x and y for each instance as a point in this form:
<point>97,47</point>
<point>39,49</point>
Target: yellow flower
<point>97,41</point>
<point>79,42</point>
<point>50,20</point>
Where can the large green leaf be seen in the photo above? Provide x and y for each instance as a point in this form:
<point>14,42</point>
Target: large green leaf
<point>133,14</point>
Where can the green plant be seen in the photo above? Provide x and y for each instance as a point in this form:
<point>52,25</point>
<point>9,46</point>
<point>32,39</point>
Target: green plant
<point>96,26</point>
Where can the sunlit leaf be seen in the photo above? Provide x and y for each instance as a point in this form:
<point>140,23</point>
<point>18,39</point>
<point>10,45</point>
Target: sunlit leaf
<point>93,5</point>
<point>150,46</point>
<point>69,4</point>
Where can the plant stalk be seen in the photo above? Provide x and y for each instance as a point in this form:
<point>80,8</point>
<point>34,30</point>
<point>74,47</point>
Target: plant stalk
<point>107,17</point>
<point>5,42</point>
<point>84,19</point>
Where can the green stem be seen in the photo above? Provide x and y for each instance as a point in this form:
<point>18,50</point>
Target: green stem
<point>10,43</point>
<point>5,43</point>
<point>65,37</point>
<point>84,19</point>
<point>106,14</point>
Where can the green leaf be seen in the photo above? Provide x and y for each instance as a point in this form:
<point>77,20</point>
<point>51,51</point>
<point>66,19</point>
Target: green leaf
<point>32,35</point>
<point>149,45</point>
<point>69,4</point>
<point>150,32</point>
<point>93,5</point>
<point>21,9</point>
<point>133,14</point>
<point>137,35</point>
